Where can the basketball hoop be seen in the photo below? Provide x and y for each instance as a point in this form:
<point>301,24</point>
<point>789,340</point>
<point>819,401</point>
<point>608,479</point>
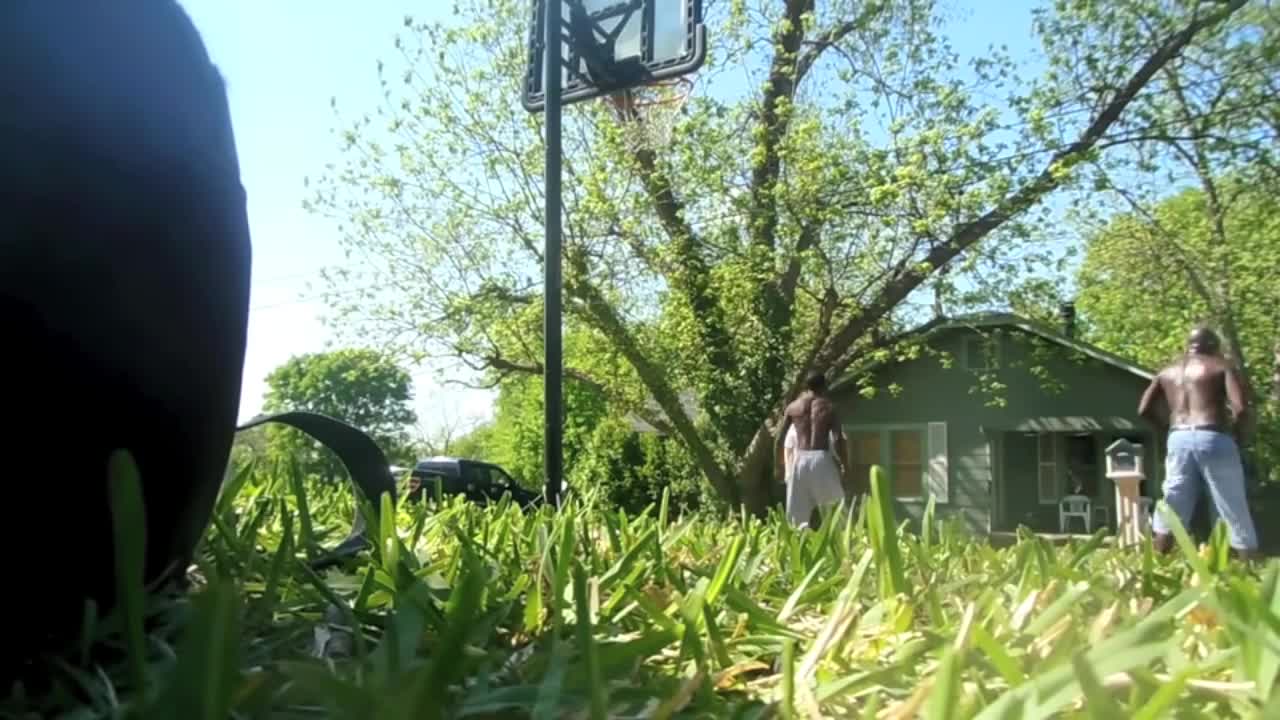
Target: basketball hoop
<point>650,111</point>
<point>608,46</point>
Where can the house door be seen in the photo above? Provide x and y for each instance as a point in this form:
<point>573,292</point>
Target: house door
<point>1018,480</point>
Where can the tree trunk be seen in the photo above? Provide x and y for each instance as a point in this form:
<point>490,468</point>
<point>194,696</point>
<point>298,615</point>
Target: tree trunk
<point>755,478</point>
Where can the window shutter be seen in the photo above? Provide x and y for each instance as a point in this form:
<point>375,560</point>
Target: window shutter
<point>939,478</point>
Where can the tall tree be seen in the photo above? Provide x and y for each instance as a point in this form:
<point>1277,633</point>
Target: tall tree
<point>362,387</point>
<point>1205,230</point>
<point>838,159</point>
<point>1150,275</point>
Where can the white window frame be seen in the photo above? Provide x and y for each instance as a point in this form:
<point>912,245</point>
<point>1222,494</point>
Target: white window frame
<point>1049,464</point>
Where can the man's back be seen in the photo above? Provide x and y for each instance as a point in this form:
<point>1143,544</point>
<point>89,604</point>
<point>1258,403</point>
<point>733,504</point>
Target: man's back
<point>1196,389</point>
<point>814,417</point>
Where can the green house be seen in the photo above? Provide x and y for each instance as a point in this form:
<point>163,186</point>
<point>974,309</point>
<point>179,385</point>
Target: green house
<point>998,418</point>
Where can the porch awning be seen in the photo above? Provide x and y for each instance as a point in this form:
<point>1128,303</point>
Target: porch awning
<point>1072,423</point>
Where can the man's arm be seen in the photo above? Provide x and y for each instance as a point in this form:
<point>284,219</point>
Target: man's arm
<point>789,446</point>
<point>1148,406</point>
<point>786,452</point>
<point>1238,403</point>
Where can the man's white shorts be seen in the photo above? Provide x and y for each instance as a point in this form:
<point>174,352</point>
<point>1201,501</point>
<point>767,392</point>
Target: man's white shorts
<point>814,483</point>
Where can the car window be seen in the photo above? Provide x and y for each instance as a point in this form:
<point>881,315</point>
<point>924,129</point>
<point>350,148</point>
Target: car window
<point>427,481</point>
<point>476,475</point>
<point>499,479</point>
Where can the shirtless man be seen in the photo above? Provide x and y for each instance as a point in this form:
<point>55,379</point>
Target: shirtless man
<point>815,478</point>
<point>1201,401</point>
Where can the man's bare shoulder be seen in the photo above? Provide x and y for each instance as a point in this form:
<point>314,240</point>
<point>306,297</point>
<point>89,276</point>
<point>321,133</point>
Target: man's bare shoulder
<point>1171,375</point>
<point>797,408</point>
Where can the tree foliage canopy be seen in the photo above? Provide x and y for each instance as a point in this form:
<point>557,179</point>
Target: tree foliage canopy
<point>1147,279</point>
<point>362,387</point>
<point>836,161</point>
<point>1137,294</point>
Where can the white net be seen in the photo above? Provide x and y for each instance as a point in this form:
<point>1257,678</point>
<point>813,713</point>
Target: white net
<point>649,114</point>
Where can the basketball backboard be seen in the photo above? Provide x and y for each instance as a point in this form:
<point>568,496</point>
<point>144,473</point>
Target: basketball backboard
<point>614,45</point>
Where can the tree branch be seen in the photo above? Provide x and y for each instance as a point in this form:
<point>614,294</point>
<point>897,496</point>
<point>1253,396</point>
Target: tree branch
<point>815,48</point>
<point>880,341</point>
<point>911,274</point>
<point>691,278</point>
<point>503,365</point>
<point>776,111</point>
<point>810,234</point>
<point>774,299</point>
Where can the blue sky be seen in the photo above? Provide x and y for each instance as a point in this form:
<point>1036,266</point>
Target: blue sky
<point>283,60</point>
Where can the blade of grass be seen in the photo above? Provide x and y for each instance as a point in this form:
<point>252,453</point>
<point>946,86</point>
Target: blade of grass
<point>789,607</point>
<point>1185,544</point>
<point>1164,697</point>
<point>725,570</point>
<point>598,691</point>
<point>945,693</point>
<point>230,491</point>
<point>129,534</point>
<point>787,705</point>
<point>306,527</point>
<point>279,559</point>
<point>422,699</point>
<point>1099,702</point>
<point>207,674</point>
<point>999,657</point>
<point>550,692</point>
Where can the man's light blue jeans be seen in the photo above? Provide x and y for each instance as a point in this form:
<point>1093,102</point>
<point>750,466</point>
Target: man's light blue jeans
<point>1207,459</point>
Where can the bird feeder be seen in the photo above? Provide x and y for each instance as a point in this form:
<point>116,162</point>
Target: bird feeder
<point>1125,469</point>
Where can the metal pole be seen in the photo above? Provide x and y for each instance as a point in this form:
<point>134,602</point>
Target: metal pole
<point>553,364</point>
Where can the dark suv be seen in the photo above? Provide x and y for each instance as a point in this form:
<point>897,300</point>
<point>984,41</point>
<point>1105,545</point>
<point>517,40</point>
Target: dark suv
<point>480,482</point>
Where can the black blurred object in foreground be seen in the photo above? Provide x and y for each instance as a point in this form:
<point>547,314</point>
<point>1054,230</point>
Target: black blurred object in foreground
<point>124,290</point>
<point>124,297</point>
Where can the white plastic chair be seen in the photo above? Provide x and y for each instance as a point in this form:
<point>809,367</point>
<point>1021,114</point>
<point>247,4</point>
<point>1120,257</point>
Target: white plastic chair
<point>1102,515</point>
<point>1075,506</point>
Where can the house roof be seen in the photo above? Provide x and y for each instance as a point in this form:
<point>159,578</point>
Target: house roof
<point>961,322</point>
<point>1032,327</point>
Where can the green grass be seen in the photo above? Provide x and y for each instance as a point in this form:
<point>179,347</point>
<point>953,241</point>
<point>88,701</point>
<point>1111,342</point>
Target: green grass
<point>590,613</point>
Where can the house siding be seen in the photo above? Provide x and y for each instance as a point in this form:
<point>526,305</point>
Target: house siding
<point>1086,395</point>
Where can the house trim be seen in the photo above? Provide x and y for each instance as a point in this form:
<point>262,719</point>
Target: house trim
<point>995,478</point>
<point>1052,463</point>
<point>1035,328</point>
<point>993,320</point>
